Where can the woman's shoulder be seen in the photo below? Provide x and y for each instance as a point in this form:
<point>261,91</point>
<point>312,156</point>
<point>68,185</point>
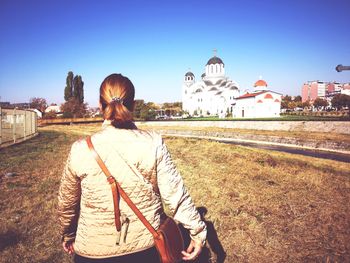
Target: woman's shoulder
<point>149,133</point>
<point>79,144</point>
<point>114,135</point>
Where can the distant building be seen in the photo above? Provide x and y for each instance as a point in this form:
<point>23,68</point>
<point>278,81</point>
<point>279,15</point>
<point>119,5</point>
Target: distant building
<point>54,108</point>
<point>346,86</point>
<point>38,113</point>
<point>312,90</point>
<point>262,103</point>
<point>324,90</point>
<point>213,94</point>
<point>346,89</point>
<point>24,105</point>
<point>333,87</point>
<point>5,104</point>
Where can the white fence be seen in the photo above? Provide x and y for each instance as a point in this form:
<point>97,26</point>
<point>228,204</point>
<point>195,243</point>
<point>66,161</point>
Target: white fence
<point>17,125</point>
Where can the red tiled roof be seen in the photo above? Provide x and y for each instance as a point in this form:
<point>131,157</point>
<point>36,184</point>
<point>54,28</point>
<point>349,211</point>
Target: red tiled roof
<point>268,96</point>
<point>259,101</point>
<point>250,95</point>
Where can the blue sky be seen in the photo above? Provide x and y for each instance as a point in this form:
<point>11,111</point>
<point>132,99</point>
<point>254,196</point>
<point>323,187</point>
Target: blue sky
<point>154,43</point>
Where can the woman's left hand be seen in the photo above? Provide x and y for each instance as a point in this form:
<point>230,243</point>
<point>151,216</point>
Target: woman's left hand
<point>193,250</point>
<point>68,247</point>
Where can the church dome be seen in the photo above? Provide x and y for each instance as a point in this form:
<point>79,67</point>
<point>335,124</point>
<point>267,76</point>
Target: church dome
<point>215,60</point>
<point>189,74</point>
<point>260,83</point>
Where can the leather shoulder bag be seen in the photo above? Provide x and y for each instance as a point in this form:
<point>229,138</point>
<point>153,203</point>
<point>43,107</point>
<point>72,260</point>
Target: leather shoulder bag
<point>167,239</point>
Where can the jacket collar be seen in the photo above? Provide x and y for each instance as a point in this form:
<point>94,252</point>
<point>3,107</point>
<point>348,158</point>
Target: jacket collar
<point>106,123</point>
<point>129,126</point>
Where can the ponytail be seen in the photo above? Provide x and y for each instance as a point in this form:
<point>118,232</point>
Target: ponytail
<point>117,100</point>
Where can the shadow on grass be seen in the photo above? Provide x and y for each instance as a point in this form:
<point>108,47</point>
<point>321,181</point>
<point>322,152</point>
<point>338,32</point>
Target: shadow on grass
<point>213,251</point>
<point>9,238</point>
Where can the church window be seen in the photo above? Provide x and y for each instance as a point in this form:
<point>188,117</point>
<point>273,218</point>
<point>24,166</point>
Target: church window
<point>217,68</point>
<point>211,68</point>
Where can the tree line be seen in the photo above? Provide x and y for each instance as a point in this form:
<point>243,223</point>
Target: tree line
<point>338,102</point>
<point>74,106</point>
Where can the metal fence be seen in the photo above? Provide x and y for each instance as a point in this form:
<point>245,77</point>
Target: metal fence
<point>17,125</point>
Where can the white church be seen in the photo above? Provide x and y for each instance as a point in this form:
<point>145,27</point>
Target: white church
<point>261,103</point>
<point>213,94</point>
<point>216,94</point>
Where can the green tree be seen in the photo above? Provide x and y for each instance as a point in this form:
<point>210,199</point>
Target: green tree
<point>74,87</point>
<point>305,104</point>
<point>38,103</point>
<point>292,105</point>
<point>78,88</point>
<point>147,113</point>
<point>74,97</point>
<point>73,108</point>
<point>137,108</point>
<point>320,103</point>
<point>341,100</point>
<point>68,90</point>
<point>285,102</point>
<point>297,98</point>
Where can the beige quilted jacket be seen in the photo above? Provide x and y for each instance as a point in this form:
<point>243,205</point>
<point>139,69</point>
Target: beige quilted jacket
<point>85,203</point>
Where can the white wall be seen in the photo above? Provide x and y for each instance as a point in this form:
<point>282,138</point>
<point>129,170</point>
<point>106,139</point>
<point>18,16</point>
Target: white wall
<point>252,107</point>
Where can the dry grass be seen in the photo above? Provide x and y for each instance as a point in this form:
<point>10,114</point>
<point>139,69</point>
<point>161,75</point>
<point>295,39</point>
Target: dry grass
<point>301,135</point>
<point>264,206</point>
<point>268,206</point>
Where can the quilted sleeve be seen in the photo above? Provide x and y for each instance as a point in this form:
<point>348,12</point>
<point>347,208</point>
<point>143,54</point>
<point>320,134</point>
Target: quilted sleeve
<point>68,201</point>
<point>175,195</point>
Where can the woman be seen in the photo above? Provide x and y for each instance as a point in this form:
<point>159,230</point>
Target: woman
<point>86,209</point>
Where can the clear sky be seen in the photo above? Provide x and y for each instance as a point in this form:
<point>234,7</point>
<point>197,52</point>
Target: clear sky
<point>154,43</point>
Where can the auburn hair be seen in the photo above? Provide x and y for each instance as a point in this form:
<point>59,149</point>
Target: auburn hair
<point>117,100</point>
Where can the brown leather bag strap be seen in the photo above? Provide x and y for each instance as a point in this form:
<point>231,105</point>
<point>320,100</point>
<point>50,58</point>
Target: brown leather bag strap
<point>120,191</point>
<point>111,181</point>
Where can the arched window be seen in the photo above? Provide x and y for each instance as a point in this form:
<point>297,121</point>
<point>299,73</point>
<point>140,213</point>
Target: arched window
<point>268,96</point>
<point>217,68</point>
<point>211,68</point>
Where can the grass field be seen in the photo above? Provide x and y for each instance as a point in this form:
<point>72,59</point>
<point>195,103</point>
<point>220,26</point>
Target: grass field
<point>261,206</point>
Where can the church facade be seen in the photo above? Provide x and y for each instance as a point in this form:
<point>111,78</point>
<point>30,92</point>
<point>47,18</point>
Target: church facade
<point>213,94</point>
<point>262,103</point>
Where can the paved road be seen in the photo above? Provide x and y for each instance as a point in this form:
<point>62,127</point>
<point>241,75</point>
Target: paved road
<point>313,152</point>
<point>306,152</point>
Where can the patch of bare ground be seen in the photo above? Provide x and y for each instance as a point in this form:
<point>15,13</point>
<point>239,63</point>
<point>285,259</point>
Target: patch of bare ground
<point>260,206</point>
